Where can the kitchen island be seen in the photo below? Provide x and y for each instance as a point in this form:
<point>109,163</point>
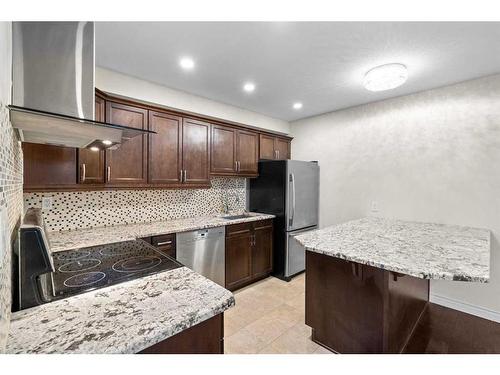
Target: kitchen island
<point>367,281</point>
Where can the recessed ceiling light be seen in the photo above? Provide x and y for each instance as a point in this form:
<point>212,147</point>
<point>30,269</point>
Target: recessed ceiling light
<point>94,148</point>
<point>385,77</point>
<point>249,87</point>
<point>186,63</point>
<point>107,143</point>
<point>297,105</point>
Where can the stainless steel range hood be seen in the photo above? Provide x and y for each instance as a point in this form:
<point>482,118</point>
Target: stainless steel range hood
<point>53,87</point>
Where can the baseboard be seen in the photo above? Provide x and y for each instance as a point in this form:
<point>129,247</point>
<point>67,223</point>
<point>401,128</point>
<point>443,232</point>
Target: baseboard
<point>465,307</point>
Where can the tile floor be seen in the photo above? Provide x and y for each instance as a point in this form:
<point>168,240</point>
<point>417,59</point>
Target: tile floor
<point>269,319</point>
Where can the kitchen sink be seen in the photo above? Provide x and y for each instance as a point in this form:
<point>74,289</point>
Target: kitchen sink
<point>236,217</point>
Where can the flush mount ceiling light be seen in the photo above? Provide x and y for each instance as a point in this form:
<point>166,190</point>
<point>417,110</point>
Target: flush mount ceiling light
<point>385,77</point>
<point>297,105</point>
<point>249,87</point>
<point>186,63</point>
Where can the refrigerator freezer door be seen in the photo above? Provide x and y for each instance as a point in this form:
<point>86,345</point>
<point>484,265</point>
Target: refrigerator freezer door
<point>295,253</point>
<point>302,195</point>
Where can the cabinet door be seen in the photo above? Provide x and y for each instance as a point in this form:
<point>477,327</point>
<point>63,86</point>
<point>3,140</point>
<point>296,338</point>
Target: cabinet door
<point>223,150</point>
<point>266,147</point>
<point>91,163</point>
<point>282,147</point>
<point>238,259</point>
<point>262,254</point>
<point>247,152</point>
<point>165,148</point>
<point>127,164</point>
<point>196,151</point>
<point>47,165</point>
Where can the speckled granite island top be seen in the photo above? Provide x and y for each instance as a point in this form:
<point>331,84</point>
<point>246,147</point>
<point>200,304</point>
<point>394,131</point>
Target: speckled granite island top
<point>124,318</point>
<point>67,240</point>
<point>423,250</point>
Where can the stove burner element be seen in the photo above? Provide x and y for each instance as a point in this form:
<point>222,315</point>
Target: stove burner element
<point>73,255</point>
<point>79,265</point>
<point>84,279</point>
<point>135,264</point>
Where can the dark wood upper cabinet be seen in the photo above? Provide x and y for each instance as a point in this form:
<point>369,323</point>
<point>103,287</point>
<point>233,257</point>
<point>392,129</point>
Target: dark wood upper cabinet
<point>47,165</point>
<point>235,152</point>
<point>282,146</point>
<point>91,163</point>
<point>267,147</point>
<point>223,150</point>
<point>165,148</point>
<point>247,151</point>
<point>274,148</point>
<point>127,164</point>
<point>185,151</point>
<point>262,256</point>
<point>195,151</point>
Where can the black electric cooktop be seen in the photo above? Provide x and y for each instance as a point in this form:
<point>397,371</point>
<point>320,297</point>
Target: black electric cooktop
<point>86,269</point>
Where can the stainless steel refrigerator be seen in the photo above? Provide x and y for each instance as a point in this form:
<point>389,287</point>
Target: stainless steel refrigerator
<point>288,189</point>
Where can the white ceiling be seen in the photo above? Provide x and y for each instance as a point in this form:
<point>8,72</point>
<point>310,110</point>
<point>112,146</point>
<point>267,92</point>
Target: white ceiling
<point>319,64</point>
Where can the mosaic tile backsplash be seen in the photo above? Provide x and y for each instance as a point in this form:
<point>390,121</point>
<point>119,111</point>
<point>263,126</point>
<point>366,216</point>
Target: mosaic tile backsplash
<point>11,183</point>
<point>89,209</point>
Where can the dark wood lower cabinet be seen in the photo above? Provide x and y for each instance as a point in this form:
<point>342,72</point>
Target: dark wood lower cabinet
<point>354,308</point>
<point>204,338</point>
<point>249,253</point>
<point>262,255</point>
<point>238,260</point>
<point>166,243</point>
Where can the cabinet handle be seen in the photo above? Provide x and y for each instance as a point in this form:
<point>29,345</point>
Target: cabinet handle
<point>239,166</point>
<point>252,240</point>
<point>108,174</point>
<point>185,175</point>
<point>180,177</point>
<point>83,172</point>
<point>163,243</point>
<point>236,166</point>
<point>278,152</point>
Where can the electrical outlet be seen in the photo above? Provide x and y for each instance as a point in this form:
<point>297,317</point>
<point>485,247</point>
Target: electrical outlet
<point>46,203</point>
<point>374,206</point>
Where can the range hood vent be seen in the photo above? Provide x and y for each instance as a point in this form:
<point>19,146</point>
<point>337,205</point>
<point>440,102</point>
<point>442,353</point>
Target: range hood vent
<point>53,87</point>
<point>37,126</point>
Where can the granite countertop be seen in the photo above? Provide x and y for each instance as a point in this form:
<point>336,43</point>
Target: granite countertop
<point>68,240</point>
<point>124,318</point>
<point>423,250</point>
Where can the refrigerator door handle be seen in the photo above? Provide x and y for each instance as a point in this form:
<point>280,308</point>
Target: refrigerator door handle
<point>292,214</point>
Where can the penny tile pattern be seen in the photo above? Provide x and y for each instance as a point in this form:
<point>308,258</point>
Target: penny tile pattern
<point>90,209</point>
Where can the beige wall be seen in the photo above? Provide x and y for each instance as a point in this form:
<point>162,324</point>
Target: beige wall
<point>432,156</point>
<point>117,83</point>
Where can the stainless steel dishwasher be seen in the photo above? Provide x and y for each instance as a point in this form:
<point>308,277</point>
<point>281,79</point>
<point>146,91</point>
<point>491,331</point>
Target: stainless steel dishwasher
<point>203,251</point>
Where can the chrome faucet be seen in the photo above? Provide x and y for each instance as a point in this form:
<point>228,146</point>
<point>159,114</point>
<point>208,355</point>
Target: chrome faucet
<point>225,202</point>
